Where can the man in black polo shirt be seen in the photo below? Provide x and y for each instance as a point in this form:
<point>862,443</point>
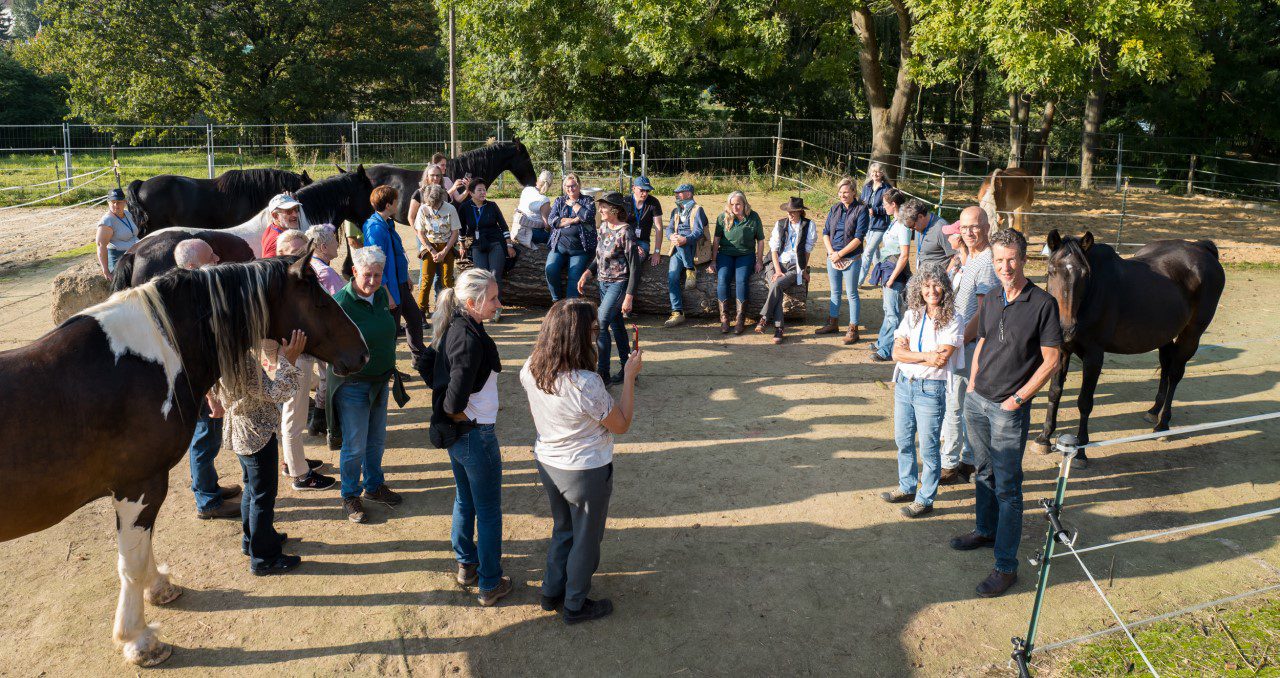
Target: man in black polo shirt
<point>1018,349</point>
<point>644,214</point>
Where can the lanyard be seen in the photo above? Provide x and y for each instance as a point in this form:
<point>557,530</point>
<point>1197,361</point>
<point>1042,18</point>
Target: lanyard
<point>479,210</point>
<point>920,339</point>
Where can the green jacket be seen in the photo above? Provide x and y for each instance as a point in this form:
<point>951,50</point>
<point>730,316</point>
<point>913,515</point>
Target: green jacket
<point>378,328</point>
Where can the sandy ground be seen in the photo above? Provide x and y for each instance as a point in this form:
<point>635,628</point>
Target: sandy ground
<point>745,536</point>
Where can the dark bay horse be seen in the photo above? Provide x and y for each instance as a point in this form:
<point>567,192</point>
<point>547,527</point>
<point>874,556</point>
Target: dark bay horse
<point>172,200</point>
<point>486,162</point>
<point>106,403</point>
<point>344,197</point>
<point>1162,298</point>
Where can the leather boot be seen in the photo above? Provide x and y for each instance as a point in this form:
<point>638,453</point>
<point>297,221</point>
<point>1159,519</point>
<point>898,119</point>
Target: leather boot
<point>724,318</point>
<point>831,327</point>
<point>740,322</point>
<point>851,337</point>
<point>316,423</point>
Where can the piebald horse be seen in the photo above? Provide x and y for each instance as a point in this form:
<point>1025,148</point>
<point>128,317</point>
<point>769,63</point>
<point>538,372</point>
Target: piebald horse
<point>1162,298</point>
<point>105,404</point>
<point>1014,189</point>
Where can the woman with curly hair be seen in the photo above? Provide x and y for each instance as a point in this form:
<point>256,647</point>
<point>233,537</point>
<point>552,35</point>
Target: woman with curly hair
<point>928,347</point>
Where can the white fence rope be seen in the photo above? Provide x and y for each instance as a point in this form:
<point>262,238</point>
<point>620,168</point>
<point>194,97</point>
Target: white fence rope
<point>46,183</point>
<point>1178,530</point>
<point>1115,614</point>
<point>99,174</point>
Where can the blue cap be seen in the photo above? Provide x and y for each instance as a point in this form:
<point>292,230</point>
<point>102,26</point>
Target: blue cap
<point>115,194</point>
<point>684,187</point>
<point>642,182</point>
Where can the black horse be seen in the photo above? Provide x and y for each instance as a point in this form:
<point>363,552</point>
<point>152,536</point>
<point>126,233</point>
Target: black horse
<point>344,197</point>
<point>485,163</point>
<point>1163,297</point>
<point>235,195</point>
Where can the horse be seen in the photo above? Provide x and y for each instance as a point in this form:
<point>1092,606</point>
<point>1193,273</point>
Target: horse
<point>344,197</point>
<point>486,162</point>
<point>106,403</point>
<point>1163,297</point>
<point>1014,190</point>
<point>172,200</point>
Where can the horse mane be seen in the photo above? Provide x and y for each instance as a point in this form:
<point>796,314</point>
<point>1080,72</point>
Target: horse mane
<point>483,155</point>
<point>259,185</point>
<point>326,195</point>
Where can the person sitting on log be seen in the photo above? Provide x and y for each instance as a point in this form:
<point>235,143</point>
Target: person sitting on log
<point>483,221</point>
<point>685,231</point>
<point>737,243</point>
<point>789,246</point>
<point>617,266</point>
<point>573,238</point>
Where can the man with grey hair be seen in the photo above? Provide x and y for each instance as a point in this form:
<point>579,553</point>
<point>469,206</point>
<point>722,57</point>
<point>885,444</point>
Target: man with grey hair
<point>931,243</point>
<point>194,253</point>
<point>291,243</point>
<point>977,278</point>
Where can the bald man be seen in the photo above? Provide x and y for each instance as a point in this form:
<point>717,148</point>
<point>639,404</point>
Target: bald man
<point>977,278</point>
<point>194,253</point>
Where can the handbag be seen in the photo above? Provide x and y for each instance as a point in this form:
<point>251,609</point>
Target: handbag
<point>880,274</point>
<point>446,432</point>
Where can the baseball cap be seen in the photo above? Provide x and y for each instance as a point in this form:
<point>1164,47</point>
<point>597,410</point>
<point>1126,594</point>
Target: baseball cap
<point>642,182</point>
<point>684,187</point>
<point>284,201</point>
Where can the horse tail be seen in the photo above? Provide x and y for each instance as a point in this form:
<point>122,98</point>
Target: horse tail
<point>1209,245</point>
<point>122,277</point>
<point>135,204</point>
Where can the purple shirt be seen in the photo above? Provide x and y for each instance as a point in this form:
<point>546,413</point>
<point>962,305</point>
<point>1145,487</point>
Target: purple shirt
<point>329,278</point>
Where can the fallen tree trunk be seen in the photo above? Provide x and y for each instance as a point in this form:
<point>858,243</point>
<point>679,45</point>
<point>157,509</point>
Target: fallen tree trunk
<point>526,285</point>
<point>78,288</point>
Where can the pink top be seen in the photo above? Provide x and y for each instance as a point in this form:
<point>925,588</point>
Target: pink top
<point>329,278</point>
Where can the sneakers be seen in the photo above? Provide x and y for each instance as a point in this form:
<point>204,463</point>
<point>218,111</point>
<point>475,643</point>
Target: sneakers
<point>996,583</point>
<point>314,481</point>
<point>677,319</point>
<point>591,610</point>
<point>312,465</point>
<point>777,334</point>
<point>383,495</point>
<point>492,596</point>
<point>467,575</point>
<point>916,510</point>
<point>354,509</point>
<point>971,541</point>
<point>877,358</point>
<point>760,326</point>
<point>280,565</point>
<point>227,509</point>
<point>616,379</point>
<point>897,497</point>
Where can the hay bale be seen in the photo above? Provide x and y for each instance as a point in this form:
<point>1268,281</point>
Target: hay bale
<point>78,288</point>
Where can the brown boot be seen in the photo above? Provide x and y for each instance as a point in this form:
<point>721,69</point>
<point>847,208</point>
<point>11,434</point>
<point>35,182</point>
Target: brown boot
<point>740,322</point>
<point>831,327</point>
<point>761,325</point>
<point>851,336</point>
<point>724,318</point>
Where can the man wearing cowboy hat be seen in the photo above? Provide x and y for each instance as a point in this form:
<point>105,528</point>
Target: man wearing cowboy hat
<point>285,213</point>
<point>789,246</point>
<point>688,224</point>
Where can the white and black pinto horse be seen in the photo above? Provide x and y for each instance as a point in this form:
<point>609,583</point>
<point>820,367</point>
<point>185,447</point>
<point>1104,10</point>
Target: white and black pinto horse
<point>105,404</point>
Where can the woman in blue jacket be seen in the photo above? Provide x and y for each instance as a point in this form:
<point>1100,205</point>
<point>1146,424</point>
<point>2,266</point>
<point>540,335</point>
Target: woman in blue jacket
<point>873,197</point>
<point>380,230</point>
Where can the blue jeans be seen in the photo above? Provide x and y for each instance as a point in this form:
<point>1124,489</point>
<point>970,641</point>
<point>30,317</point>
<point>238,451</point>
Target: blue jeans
<point>113,256</point>
<point>203,450</point>
<point>678,266</point>
<point>845,282</point>
<point>362,411</point>
<point>893,297</point>
<point>540,236</point>
<point>870,253</point>
<point>955,446</point>
<point>556,262</point>
<point>918,405</point>
<point>258,503</point>
<point>609,317</point>
<point>477,503</point>
<point>740,268</point>
<point>998,439</point>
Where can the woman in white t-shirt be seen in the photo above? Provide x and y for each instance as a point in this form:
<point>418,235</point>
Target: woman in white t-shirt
<point>928,347</point>
<point>576,421</point>
<point>531,227</point>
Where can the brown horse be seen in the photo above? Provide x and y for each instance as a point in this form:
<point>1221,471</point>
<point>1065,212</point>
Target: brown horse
<point>106,403</point>
<point>1014,190</point>
<point>1163,297</point>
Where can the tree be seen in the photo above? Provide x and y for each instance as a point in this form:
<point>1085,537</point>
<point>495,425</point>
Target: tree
<point>888,112</point>
<point>26,97</point>
<point>239,60</point>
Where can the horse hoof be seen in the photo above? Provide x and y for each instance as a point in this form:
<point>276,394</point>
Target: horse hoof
<point>165,594</point>
<point>1080,463</point>
<point>1150,417</point>
<point>1042,448</point>
<point>147,650</point>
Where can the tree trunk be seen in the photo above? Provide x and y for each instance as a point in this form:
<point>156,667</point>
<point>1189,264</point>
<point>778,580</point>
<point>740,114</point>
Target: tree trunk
<point>888,118</point>
<point>1041,152</point>
<point>1024,110</point>
<point>978,113</point>
<point>1092,124</point>
<point>951,137</point>
<point>526,285</point>
<point>1016,119</point>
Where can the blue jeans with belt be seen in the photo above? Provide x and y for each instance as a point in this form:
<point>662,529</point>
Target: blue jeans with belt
<point>918,406</point>
<point>609,317</point>
<point>362,409</point>
<point>577,262</point>
<point>998,438</point>
<point>477,503</point>
<point>740,268</point>
<point>203,450</point>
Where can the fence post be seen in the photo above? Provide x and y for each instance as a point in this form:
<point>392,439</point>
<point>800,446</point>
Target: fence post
<point>931,152</point>
<point>355,142</point>
<point>66,152</point>
<point>902,160</point>
<point>644,146</point>
<point>1124,208</point>
<point>115,165</point>
<point>208,147</point>
<point>777,155</point>
<point>501,183</point>
<point>564,156</point>
<point>942,192</point>
<point>1191,176</point>
<point>1016,160</point>
<point>1119,158</point>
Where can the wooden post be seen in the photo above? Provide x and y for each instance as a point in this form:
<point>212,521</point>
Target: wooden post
<point>777,155</point>
<point>1191,177</point>
<point>115,165</point>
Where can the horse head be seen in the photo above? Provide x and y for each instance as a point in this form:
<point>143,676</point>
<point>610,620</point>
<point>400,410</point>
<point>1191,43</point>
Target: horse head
<point>1068,279</point>
<point>359,207</point>
<point>304,305</point>
<point>306,178</point>
<point>344,197</point>
<point>522,164</point>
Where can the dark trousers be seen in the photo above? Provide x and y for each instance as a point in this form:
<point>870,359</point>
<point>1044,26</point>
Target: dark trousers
<point>579,507</point>
<point>203,450</point>
<point>412,314</point>
<point>258,503</point>
<point>773,300</point>
<point>998,439</point>
<point>492,257</point>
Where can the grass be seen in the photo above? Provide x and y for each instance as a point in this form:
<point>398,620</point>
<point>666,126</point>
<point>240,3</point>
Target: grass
<point>1252,266</point>
<point>1236,641</point>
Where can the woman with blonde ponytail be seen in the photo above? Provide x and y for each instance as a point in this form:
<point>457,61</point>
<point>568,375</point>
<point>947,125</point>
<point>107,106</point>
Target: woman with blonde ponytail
<point>463,375</point>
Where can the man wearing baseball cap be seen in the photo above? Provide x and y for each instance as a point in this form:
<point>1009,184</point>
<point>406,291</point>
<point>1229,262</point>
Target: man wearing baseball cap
<point>644,214</point>
<point>285,213</point>
<point>688,224</point>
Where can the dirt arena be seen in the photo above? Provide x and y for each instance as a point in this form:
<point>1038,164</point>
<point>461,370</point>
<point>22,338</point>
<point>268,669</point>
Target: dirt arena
<point>745,535</point>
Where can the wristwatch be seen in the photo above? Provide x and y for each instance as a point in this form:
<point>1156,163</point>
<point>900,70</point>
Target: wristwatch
<point>1018,399</point>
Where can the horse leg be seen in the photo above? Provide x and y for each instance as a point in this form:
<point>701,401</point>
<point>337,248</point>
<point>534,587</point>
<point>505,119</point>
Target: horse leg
<point>1166,358</point>
<point>1088,385</point>
<point>1185,347</point>
<point>136,511</point>
<point>1056,383</point>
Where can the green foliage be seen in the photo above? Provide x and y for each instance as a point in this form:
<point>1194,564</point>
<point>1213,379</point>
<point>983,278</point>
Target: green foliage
<point>26,97</point>
<point>240,60</point>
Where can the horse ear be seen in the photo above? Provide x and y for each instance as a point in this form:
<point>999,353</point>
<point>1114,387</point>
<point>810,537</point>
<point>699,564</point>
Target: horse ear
<point>306,178</point>
<point>360,169</point>
<point>1087,241</point>
<point>339,168</point>
<point>1054,240</point>
<point>301,269</point>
